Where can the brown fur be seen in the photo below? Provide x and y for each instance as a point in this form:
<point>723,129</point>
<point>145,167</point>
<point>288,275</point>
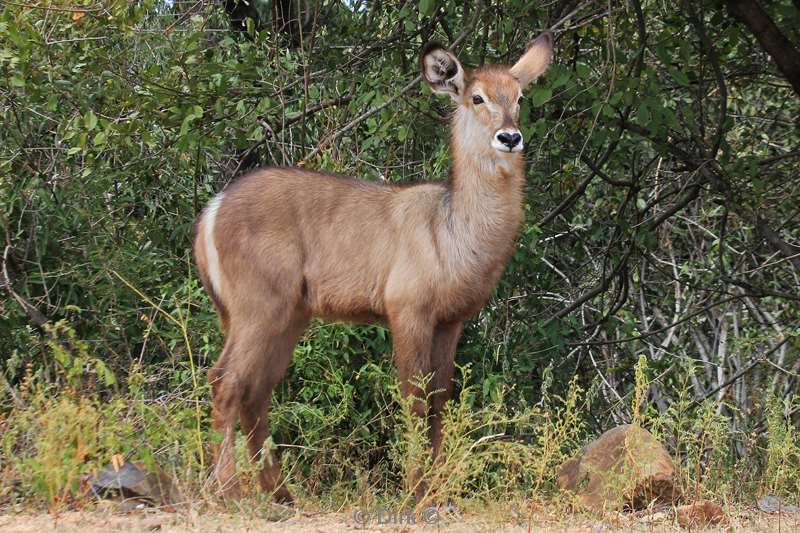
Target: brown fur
<point>293,243</point>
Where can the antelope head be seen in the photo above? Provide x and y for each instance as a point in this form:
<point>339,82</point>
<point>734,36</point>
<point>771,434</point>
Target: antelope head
<point>488,97</point>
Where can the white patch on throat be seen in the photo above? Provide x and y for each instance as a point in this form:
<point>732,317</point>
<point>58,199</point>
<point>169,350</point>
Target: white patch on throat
<point>473,137</point>
<point>212,256</point>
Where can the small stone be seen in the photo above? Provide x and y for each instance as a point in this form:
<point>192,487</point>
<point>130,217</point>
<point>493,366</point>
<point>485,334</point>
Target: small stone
<point>626,467</point>
<point>700,514</point>
<point>131,481</point>
<point>651,518</point>
<point>772,504</point>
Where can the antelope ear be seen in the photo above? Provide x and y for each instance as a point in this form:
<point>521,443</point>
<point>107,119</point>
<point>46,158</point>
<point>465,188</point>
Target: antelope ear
<point>535,61</point>
<point>441,70</point>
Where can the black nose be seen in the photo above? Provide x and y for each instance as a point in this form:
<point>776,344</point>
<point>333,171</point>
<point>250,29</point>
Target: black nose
<point>509,139</point>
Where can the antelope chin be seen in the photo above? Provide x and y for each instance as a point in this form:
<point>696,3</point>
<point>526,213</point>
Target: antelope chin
<point>503,149</point>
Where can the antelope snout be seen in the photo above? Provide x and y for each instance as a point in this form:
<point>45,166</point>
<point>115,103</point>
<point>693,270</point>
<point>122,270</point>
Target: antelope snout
<point>508,141</point>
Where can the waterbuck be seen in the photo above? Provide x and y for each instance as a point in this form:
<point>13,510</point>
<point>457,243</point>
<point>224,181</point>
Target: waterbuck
<point>282,245</point>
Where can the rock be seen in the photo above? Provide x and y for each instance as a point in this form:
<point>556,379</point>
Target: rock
<point>131,480</point>
<point>772,504</point>
<point>625,467</point>
<point>652,518</point>
<point>700,514</point>
<point>113,477</point>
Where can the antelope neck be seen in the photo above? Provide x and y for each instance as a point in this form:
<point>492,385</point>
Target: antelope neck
<point>483,181</point>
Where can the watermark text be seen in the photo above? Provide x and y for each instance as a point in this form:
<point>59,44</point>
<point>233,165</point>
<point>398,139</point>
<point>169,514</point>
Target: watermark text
<point>382,516</point>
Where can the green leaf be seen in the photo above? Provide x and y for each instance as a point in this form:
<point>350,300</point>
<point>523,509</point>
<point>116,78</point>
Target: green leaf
<point>427,7</point>
<point>99,139</point>
<point>561,79</point>
<point>643,115</point>
<point>541,95</point>
<point>185,125</point>
<point>90,120</point>
<point>680,76</point>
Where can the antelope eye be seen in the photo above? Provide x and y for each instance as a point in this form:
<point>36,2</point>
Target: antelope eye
<point>519,101</point>
<point>477,100</point>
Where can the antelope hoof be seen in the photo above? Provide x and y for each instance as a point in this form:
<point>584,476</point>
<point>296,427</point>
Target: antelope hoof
<point>231,490</point>
<point>283,496</point>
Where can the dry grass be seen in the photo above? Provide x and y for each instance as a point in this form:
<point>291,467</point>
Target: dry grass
<point>494,464</point>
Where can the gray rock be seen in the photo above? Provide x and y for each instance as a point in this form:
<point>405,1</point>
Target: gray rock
<point>132,481</point>
<point>773,504</point>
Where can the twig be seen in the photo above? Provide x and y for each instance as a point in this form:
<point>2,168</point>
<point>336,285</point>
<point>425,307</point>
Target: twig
<point>656,331</point>
<point>568,16</point>
<point>377,109</point>
<point>691,195</point>
<point>599,288</point>
<point>360,118</point>
<point>760,359</point>
<point>62,9</point>
<point>264,124</point>
<point>188,13</point>
<point>719,136</point>
<point>605,177</point>
<point>773,159</point>
<point>34,315</point>
<point>288,121</point>
<point>14,396</point>
<point>76,40</point>
<point>579,190</point>
<point>180,322</point>
<point>296,117</point>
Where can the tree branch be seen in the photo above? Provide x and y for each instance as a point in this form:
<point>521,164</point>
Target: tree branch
<point>34,315</point>
<point>769,36</point>
<point>377,109</point>
<point>742,372</point>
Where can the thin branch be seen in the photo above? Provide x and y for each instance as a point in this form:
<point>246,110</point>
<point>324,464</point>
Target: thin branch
<point>774,159</point>
<point>723,88</point>
<point>755,362</point>
<point>298,116</point>
<point>377,109</point>
<point>659,330</point>
<point>34,315</point>
<point>568,201</point>
<point>188,13</point>
<point>80,9</point>
<point>691,194</point>
<point>605,177</point>
<point>598,289</point>
<point>569,15</point>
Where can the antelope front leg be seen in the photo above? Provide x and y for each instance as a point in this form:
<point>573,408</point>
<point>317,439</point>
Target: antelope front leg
<point>412,335</point>
<point>443,354</point>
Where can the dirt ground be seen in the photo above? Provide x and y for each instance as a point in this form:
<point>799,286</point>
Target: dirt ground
<point>299,522</point>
